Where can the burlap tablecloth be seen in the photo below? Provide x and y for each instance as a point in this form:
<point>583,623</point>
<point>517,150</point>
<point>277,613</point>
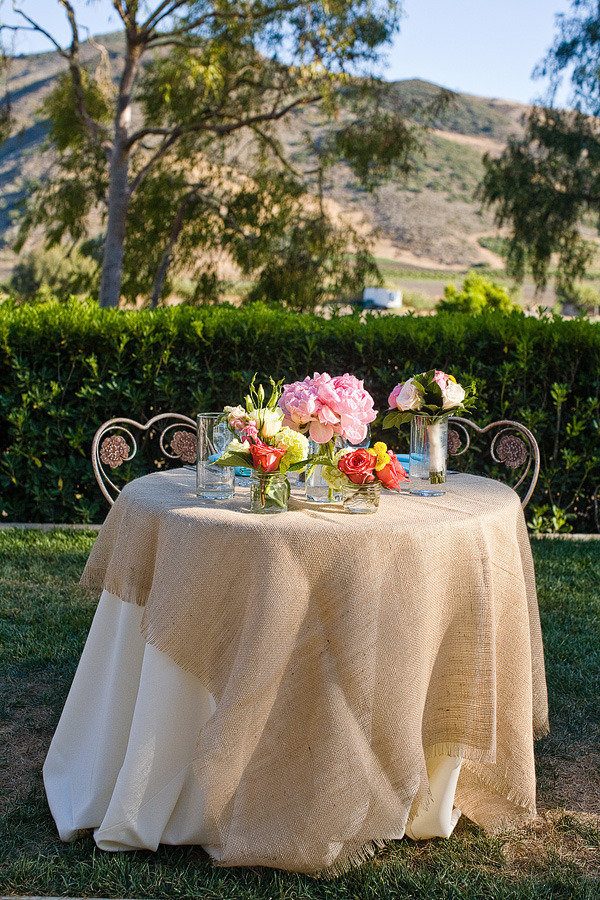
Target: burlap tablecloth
<point>341,651</point>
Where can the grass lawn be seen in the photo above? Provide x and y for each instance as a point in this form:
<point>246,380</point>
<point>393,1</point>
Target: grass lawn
<point>44,619</point>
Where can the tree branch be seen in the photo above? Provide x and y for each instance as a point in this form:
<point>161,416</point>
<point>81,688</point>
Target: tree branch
<point>222,130</point>
<point>94,128</point>
<point>35,27</point>
<point>168,7</point>
<point>158,154</point>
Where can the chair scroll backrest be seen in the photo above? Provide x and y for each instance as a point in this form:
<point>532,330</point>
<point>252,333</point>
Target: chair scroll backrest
<point>513,446</point>
<point>115,443</point>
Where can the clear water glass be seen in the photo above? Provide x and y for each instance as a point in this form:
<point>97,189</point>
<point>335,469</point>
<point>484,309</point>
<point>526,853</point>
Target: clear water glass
<point>213,482</point>
<point>316,488</point>
<point>428,449</point>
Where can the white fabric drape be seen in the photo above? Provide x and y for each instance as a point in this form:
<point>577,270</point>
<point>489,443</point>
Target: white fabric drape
<point>121,759</point>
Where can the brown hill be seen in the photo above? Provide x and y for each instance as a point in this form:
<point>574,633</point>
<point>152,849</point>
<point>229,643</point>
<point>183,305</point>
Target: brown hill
<point>430,221</point>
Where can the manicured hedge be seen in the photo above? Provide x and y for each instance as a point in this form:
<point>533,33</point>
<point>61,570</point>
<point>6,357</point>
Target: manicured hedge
<point>64,368</point>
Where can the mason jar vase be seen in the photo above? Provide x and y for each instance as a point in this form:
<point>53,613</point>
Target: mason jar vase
<point>269,492</point>
<point>361,498</point>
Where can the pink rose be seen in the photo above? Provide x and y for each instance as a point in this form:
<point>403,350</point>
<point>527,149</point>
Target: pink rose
<point>250,433</point>
<point>405,396</point>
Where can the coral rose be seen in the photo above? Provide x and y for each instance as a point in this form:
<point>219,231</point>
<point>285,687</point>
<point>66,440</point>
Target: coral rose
<point>392,475</point>
<point>358,466</point>
<point>266,458</point>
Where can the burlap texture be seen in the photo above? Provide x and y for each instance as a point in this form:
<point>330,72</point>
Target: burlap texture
<point>342,651</point>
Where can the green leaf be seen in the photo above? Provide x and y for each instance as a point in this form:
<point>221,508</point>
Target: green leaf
<point>396,418</point>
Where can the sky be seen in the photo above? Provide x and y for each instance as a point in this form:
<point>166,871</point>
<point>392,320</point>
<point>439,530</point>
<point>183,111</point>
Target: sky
<point>485,47</point>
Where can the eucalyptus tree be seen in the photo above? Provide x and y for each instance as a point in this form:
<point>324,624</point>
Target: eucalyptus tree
<point>182,148</point>
<point>546,184</point>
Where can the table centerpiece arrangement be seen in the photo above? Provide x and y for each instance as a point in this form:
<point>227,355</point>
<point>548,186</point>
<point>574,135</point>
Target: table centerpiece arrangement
<point>360,473</point>
<point>264,444</point>
<point>331,411</point>
<point>426,401</point>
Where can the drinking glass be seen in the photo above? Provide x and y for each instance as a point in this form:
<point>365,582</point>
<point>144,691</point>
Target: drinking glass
<point>213,482</point>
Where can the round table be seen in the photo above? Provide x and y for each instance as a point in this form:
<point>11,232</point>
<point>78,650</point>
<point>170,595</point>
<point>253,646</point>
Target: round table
<point>292,690</point>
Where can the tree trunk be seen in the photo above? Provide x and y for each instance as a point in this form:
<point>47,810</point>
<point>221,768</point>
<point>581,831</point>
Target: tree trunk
<point>118,202</point>
<point>167,256</point>
<point>118,184</point>
<point>160,276</point>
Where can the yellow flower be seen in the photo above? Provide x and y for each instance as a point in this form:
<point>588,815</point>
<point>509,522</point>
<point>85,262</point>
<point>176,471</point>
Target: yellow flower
<point>380,450</point>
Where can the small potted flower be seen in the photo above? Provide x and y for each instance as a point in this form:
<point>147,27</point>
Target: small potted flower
<point>331,411</point>
<point>426,401</point>
<point>265,445</point>
<point>359,474</point>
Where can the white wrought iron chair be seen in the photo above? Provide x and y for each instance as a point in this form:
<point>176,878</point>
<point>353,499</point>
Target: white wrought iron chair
<point>115,444</point>
<point>513,446</point>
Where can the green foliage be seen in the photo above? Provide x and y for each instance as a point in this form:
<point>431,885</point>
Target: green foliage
<point>547,183</point>
<point>170,184</point>
<point>550,176</point>
<point>495,243</point>
<point>585,297</point>
<point>477,295</point>
<point>309,266</point>
<point>548,519</point>
<point>53,269</point>
<point>67,367</point>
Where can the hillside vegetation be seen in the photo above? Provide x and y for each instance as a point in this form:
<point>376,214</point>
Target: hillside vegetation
<point>431,221</point>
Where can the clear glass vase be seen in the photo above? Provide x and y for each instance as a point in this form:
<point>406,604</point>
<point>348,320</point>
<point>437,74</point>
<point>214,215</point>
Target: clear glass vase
<point>213,482</point>
<point>362,498</point>
<point>316,488</point>
<point>269,493</point>
<point>428,448</point>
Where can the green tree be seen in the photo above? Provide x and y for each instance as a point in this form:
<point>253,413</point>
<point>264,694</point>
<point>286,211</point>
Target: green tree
<point>181,150</point>
<point>477,295</point>
<point>547,183</point>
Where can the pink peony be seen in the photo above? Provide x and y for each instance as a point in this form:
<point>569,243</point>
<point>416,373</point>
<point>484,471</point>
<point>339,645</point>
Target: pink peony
<point>324,407</point>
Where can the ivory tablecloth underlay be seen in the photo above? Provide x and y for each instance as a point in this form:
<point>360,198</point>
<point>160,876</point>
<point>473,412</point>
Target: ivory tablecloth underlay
<point>331,660</point>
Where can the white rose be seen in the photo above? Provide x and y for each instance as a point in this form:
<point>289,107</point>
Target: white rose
<point>272,420</point>
<point>453,394</point>
<point>409,397</point>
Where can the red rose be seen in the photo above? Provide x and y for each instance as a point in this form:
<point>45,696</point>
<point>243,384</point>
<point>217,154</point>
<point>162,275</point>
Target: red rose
<point>358,466</point>
<point>393,474</point>
<point>266,458</point>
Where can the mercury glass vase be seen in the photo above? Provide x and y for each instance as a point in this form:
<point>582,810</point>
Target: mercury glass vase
<point>316,488</point>
<point>269,492</point>
<point>428,448</point>
<point>362,498</point>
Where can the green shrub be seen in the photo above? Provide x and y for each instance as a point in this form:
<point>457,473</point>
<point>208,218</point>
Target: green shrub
<point>478,294</point>
<point>584,297</point>
<point>65,368</point>
<point>54,270</point>
<point>495,243</point>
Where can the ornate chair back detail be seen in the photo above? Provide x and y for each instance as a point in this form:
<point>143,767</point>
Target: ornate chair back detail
<point>115,444</point>
<point>513,446</point>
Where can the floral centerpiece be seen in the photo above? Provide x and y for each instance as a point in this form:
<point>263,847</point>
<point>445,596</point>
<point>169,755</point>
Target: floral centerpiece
<point>263,443</point>
<point>427,400</point>
<point>327,409</point>
<point>359,474</point>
